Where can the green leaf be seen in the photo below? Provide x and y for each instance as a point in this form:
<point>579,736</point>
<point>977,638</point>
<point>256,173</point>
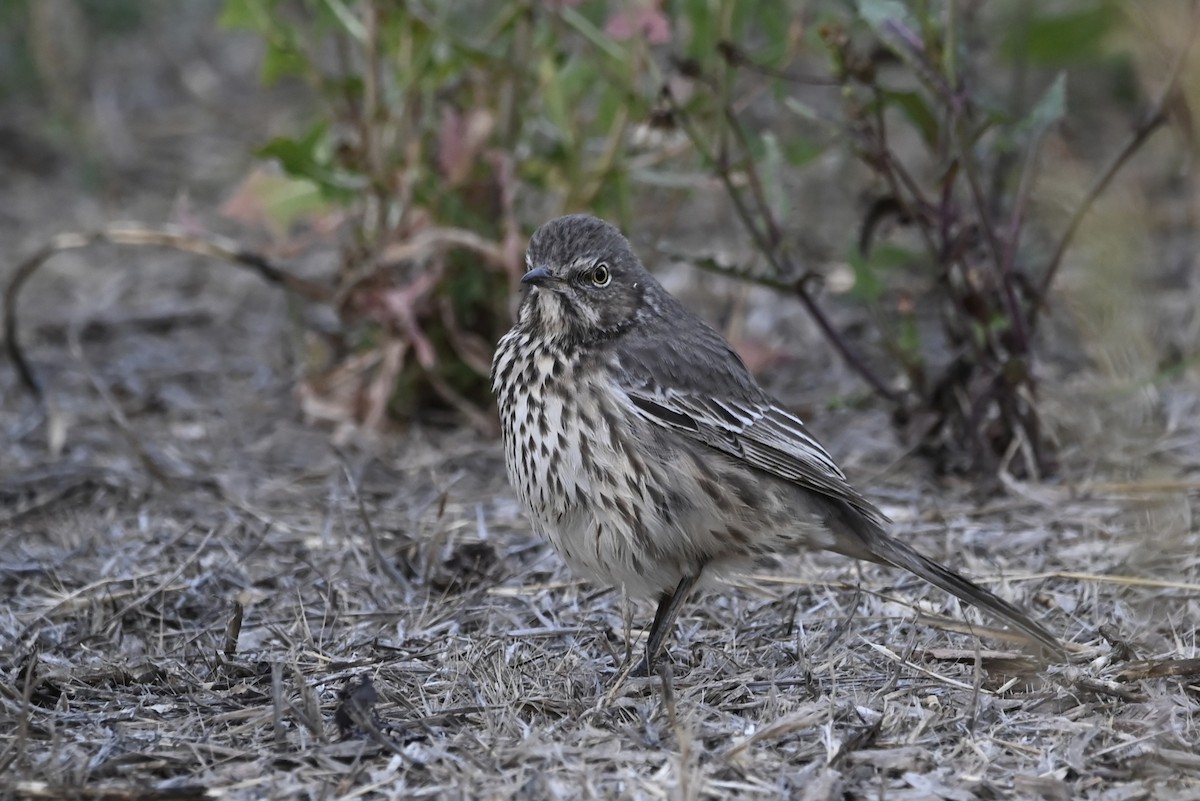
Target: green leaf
<point>347,20</point>
<point>609,104</point>
<point>868,283</point>
<point>113,16</point>
<point>909,340</point>
<point>912,104</point>
<point>295,155</point>
<point>577,79</point>
<point>1071,37</point>
<point>284,201</point>
<point>247,14</point>
<point>774,19</point>
<point>771,169</point>
<point>554,100</point>
<point>601,40</point>
<point>803,110</point>
<point>891,257</point>
<point>701,16</point>
<point>801,150</point>
<point>292,199</point>
<point>880,14</point>
<point>310,157</point>
<point>737,22</point>
<point>867,286</point>
<point>282,59</point>
<point>1051,108</point>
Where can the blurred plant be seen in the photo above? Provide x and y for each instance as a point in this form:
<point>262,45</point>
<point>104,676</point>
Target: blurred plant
<point>951,164</point>
<point>435,119</point>
<point>45,45</point>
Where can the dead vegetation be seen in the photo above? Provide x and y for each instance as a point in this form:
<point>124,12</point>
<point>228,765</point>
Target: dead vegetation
<point>284,619</point>
<point>204,597</point>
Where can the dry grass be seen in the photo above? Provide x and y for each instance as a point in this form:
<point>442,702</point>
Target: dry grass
<point>260,637</point>
<point>280,618</point>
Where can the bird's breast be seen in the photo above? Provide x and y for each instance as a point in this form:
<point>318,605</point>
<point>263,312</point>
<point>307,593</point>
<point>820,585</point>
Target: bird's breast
<point>613,497</point>
<point>532,380</point>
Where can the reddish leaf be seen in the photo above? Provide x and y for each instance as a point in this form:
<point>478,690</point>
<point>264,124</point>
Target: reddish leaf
<point>646,20</point>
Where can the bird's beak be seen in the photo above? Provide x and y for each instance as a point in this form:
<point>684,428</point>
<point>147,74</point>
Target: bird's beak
<point>538,276</point>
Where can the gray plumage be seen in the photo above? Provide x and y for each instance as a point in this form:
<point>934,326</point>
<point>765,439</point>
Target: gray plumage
<point>645,451</point>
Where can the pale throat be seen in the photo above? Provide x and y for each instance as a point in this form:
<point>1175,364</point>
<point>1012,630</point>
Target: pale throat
<point>556,318</point>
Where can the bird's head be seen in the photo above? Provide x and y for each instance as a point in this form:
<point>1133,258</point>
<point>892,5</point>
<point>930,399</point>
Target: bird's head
<point>585,282</point>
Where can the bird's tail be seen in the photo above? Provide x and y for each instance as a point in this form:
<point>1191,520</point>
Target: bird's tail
<point>882,548</point>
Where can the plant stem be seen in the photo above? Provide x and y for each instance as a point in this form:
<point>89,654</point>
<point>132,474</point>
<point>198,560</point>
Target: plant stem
<point>1153,120</point>
<point>782,264</point>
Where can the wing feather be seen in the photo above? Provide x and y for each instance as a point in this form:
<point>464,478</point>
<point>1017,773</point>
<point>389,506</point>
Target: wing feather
<point>762,435</point>
<point>697,385</point>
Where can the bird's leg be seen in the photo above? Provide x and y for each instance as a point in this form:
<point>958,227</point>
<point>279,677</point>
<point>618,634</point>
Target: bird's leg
<point>669,605</point>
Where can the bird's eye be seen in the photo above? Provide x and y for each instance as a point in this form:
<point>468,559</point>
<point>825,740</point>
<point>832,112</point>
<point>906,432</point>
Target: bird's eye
<point>601,274</point>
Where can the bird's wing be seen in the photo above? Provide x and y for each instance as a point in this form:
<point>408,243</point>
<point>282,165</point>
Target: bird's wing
<point>711,398</point>
<point>697,386</point>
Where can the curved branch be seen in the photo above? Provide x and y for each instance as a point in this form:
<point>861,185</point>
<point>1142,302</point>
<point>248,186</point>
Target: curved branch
<point>769,243</point>
<point>173,237</point>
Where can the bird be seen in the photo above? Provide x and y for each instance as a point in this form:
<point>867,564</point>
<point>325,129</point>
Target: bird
<point>647,454</point>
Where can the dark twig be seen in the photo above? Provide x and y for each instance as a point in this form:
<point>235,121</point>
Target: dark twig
<point>381,558</point>
<point>896,176</point>
<point>910,49</point>
<point>765,212</point>
<point>735,56</point>
<point>1151,122</point>
<point>770,247</point>
<point>1013,238</point>
<point>984,218</point>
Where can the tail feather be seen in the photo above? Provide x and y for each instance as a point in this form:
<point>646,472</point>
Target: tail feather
<point>901,555</point>
<point>876,546</point>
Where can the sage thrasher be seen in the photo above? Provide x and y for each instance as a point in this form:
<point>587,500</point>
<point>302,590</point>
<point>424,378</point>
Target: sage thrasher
<point>644,450</point>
